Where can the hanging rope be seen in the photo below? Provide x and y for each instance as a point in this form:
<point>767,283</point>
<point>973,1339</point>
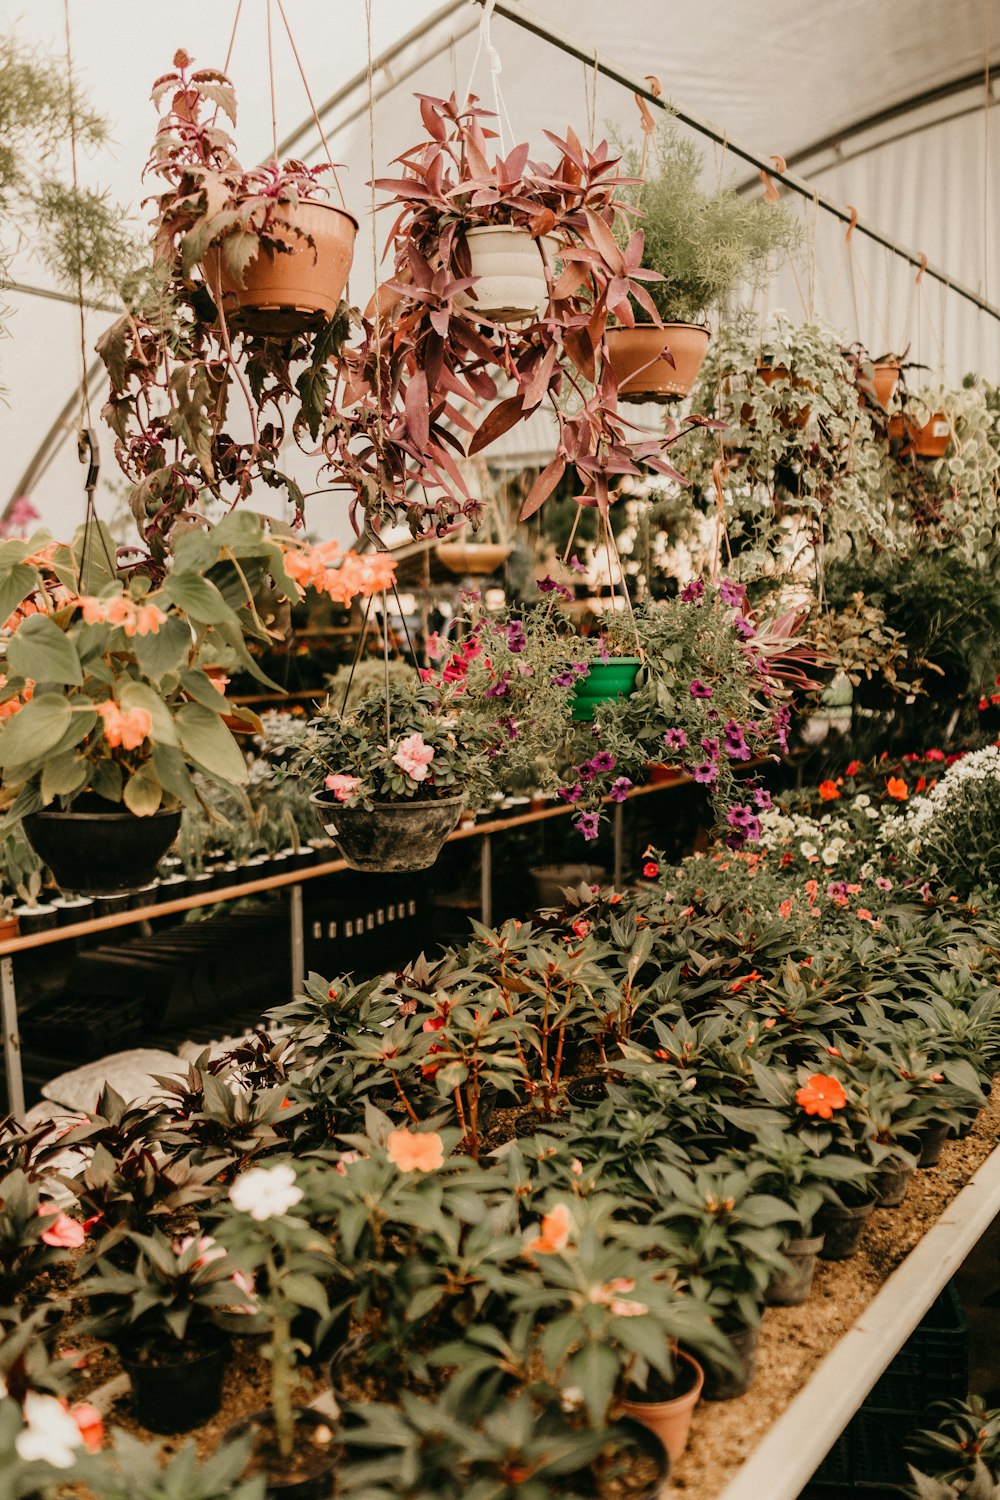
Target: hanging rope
<point>987,102</point>
<point>312,105</point>
<point>484,41</point>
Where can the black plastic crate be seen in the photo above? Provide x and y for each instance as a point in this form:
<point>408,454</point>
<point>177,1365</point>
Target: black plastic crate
<point>869,1457</point>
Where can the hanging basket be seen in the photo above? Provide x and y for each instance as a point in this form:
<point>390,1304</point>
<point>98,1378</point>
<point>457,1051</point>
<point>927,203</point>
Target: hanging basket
<point>929,441</point>
<point>605,682</point>
<point>643,374</point>
<point>472,559</point>
<point>294,291</point>
<point>885,378</point>
<point>390,837</point>
<point>101,853</point>
<point>788,418</point>
<point>510,266</point>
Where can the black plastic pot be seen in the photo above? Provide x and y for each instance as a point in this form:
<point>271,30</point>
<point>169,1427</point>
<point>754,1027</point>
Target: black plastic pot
<point>791,1288</point>
<point>312,1431</point>
<point>72,909</point>
<point>178,1394</point>
<point>646,1442</point>
<point>587,1093</point>
<point>101,852</point>
<point>932,1137</point>
<point>841,1229</point>
<point>891,1183</point>
<point>393,836</point>
<point>39,918</point>
<point>724,1384</point>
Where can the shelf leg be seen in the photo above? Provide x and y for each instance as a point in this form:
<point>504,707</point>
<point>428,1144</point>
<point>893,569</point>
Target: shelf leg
<point>486,880</point>
<point>11,1039</point>
<point>618,835</point>
<point>297,938</point>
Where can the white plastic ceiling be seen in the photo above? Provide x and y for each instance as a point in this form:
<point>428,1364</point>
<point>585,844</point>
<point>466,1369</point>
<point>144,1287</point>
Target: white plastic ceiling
<point>881,105</point>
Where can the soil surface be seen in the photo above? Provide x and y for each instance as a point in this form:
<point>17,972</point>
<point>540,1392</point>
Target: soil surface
<point>795,1339</point>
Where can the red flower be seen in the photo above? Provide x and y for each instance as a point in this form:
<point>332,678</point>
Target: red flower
<point>828,791</point>
<point>650,869</point>
<point>821,1095</point>
<point>581,927</point>
<point>853,768</point>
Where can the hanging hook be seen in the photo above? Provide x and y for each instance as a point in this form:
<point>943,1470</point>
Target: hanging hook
<point>88,453</point>
<point>853,224</point>
<point>645,114</point>
<point>923,267</point>
<point>770,191</point>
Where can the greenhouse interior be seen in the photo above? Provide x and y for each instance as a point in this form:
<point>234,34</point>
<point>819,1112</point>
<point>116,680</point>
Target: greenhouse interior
<point>500,750</point>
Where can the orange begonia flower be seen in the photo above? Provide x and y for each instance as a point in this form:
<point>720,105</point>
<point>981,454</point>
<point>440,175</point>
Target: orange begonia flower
<point>415,1151</point>
<point>821,1095</point>
<point>896,787</point>
<point>556,1228</point>
<point>829,791</point>
<point>90,1424</point>
<point>125,727</point>
<point>120,611</point>
<point>147,621</point>
<point>750,978</point>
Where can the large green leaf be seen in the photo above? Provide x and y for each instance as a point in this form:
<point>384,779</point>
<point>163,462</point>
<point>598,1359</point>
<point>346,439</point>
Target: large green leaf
<point>172,770</point>
<point>141,695</point>
<point>16,583</point>
<point>143,792</point>
<point>200,687</point>
<point>35,730</point>
<point>41,651</point>
<point>206,741</point>
<point>63,775</point>
<point>165,651</point>
<point>198,598</point>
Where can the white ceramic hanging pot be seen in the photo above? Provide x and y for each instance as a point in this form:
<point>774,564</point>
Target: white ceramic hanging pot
<point>510,267</point>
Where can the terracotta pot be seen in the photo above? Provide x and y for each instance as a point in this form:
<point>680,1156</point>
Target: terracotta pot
<point>101,853</point>
<point>790,1288</point>
<point>842,1229</point>
<point>789,419</point>
<point>289,293</point>
<point>636,356</point>
<point>660,775</point>
<point>671,1420</point>
<point>724,1384</point>
<point>9,928</point>
<point>929,441</point>
<point>393,836</point>
<point>315,1448</point>
<point>932,1137</point>
<point>885,378</point>
<point>510,266</point>
<point>476,559</point>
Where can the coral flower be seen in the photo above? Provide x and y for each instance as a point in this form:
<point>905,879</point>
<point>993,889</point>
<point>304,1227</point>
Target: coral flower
<point>651,869</point>
<point>146,621</point>
<point>829,791</point>
<point>896,787</point>
<point>343,787</point>
<point>415,1151</point>
<point>413,756</point>
<point>821,1095</point>
<point>556,1228</point>
<point>90,1425</point>
<point>125,727</point>
<point>65,1233</point>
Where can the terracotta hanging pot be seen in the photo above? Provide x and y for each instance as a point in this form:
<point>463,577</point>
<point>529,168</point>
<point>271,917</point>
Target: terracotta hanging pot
<point>294,291</point>
<point>390,837</point>
<point>642,373</point>
<point>886,379</point>
<point>788,418</point>
<point>473,559</point>
<point>510,267</point>
<point>671,1419</point>
<point>929,441</point>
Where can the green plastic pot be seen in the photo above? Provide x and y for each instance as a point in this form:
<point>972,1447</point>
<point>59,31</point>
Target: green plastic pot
<point>605,681</point>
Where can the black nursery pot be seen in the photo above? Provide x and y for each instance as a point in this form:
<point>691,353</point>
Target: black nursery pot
<point>314,1450</point>
<point>932,1138</point>
<point>101,853</point>
<point>391,836</point>
<point>842,1229</point>
<point>587,1093</point>
<point>723,1384</point>
<point>891,1184</point>
<point>176,1395</point>
<point>791,1288</point>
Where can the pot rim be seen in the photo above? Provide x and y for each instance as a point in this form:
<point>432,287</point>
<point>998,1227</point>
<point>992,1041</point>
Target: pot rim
<point>410,804</point>
<point>102,817</point>
<point>672,1403</point>
<point>323,203</point>
<point>705,328</point>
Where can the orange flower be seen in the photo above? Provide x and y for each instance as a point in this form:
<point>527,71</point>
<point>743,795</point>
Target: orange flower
<point>125,727</point>
<point>785,909</point>
<point>821,1095</point>
<point>896,787</point>
<point>147,620</point>
<point>828,791</point>
<point>750,978</point>
<point>556,1228</point>
<point>415,1151</point>
<point>90,1424</point>
<point>119,611</point>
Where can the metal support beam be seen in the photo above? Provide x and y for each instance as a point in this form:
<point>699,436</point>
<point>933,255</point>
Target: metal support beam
<point>11,1039</point>
<point>536,26</point>
<point>618,836</point>
<point>297,938</point>
<point>486,880</point>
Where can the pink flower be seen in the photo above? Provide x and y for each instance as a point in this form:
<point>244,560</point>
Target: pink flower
<point>342,787</point>
<point>65,1233</point>
<point>208,1249</point>
<point>413,757</point>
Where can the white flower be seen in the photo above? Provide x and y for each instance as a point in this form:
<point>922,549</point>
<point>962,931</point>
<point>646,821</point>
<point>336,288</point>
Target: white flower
<point>265,1192</point>
<point>807,849</point>
<point>873,813</point>
<point>830,856</point>
<point>862,800</point>
<point>49,1435</point>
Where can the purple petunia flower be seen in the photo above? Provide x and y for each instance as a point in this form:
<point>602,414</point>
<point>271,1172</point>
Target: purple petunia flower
<point>706,773</point>
<point>762,798</point>
<point>586,772</point>
<point>781,719</point>
<point>732,593</point>
<point>700,689</point>
<point>564,678</point>
<point>602,648</point>
<point>550,586</point>
<point>579,669</point>
<point>620,789</point>
<point>576,564</point>
<point>603,761</point>
<point>736,746</point>
<point>711,748</point>
<point>570,793</point>
<point>743,627</point>
<point>694,592</point>
<point>675,739</point>
<point>500,688</point>
<point>837,890</point>
<point>741,816</point>
<point>516,639</point>
<point>586,824</point>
